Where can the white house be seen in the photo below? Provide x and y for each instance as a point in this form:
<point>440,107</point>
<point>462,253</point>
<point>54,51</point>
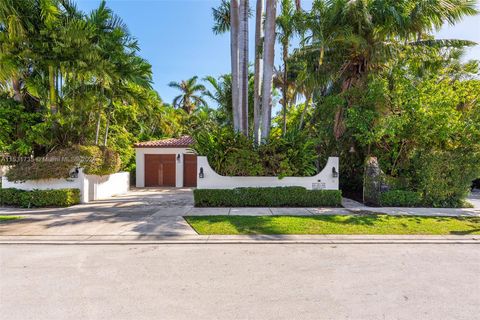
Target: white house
<point>172,163</point>
<point>166,163</point>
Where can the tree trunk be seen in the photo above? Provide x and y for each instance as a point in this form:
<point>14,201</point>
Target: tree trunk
<point>17,93</point>
<point>52,92</point>
<point>97,132</point>
<point>99,119</point>
<point>304,112</point>
<point>258,71</point>
<point>339,122</point>
<point>298,5</point>
<point>243,39</point>
<point>285,86</point>
<point>269,56</point>
<point>107,126</point>
<point>234,46</point>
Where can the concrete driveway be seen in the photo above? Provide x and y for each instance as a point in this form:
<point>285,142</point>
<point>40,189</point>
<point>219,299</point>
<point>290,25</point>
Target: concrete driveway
<point>142,212</point>
<point>158,212</point>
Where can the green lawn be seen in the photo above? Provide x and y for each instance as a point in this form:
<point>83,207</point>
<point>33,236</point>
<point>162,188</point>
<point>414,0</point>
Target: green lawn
<point>334,224</point>
<point>8,218</point>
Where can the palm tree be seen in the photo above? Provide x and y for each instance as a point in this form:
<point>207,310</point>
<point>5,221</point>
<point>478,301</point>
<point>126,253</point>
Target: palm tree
<point>258,78</point>
<point>233,16</point>
<point>348,39</point>
<point>221,94</point>
<point>191,94</point>
<point>269,56</point>
<point>243,64</point>
<point>221,17</point>
<point>286,27</point>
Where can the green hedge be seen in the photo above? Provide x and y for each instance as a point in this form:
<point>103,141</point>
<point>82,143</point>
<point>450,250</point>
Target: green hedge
<point>39,198</point>
<point>400,198</point>
<point>267,197</point>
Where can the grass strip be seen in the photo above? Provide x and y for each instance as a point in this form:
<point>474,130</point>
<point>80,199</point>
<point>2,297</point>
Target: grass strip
<point>335,224</point>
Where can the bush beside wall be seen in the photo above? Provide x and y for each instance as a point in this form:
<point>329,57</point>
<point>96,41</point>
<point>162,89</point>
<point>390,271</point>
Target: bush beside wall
<point>400,198</point>
<point>59,163</point>
<point>267,197</point>
<point>39,198</point>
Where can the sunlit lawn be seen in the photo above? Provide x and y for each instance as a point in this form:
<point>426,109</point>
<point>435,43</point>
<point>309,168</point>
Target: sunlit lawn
<point>335,224</point>
<point>9,218</point>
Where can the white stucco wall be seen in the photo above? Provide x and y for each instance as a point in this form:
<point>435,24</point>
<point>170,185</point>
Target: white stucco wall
<point>45,184</point>
<point>212,180</point>
<point>140,161</point>
<point>104,187</point>
<point>91,187</point>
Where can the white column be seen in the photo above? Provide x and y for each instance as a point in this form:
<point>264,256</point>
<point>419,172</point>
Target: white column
<point>179,170</point>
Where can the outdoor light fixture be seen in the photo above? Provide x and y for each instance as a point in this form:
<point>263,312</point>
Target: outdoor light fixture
<point>334,172</point>
<point>178,157</point>
<point>201,175</point>
<point>74,173</point>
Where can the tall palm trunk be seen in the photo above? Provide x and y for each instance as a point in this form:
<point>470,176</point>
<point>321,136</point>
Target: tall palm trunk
<point>304,112</point>
<point>339,121</point>
<point>258,71</point>
<point>285,85</point>
<point>52,90</point>
<point>107,126</point>
<point>17,94</point>
<point>298,5</point>
<point>234,51</point>
<point>243,74</point>
<point>269,56</point>
<point>99,118</point>
<point>97,130</point>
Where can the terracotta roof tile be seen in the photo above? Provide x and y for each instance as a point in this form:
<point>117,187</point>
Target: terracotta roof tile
<point>182,142</point>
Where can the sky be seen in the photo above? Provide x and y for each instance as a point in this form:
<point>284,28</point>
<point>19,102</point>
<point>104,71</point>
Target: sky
<point>176,37</point>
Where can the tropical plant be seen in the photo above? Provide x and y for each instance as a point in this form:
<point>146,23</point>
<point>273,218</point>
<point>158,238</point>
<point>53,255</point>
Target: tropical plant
<point>191,95</point>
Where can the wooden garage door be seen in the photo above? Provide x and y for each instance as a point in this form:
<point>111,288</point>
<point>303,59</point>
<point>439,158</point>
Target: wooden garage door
<point>189,170</point>
<point>159,170</point>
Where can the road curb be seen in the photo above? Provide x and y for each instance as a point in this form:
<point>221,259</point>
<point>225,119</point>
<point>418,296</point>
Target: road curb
<point>260,239</point>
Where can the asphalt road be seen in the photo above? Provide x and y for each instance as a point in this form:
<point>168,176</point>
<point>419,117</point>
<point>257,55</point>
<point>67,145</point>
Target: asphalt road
<point>256,281</point>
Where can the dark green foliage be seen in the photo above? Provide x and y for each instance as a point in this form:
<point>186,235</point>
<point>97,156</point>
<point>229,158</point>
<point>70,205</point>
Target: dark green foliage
<point>476,183</point>
<point>39,198</point>
<point>444,178</point>
<point>234,154</point>
<point>267,197</point>
<point>58,164</point>
<point>400,198</point>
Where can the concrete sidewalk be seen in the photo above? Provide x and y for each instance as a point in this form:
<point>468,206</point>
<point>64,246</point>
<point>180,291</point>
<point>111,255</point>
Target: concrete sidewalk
<point>154,215</point>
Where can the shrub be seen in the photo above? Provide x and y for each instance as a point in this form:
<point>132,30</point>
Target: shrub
<point>267,197</point>
<point>233,154</point>
<point>39,198</point>
<point>444,178</point>
<point>400,198</point>
<point>58,164</point>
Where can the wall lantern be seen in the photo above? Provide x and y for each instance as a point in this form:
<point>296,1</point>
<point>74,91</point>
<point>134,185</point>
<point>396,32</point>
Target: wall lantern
<point>201,175</point>
<point>178,157</point>
<point>74,173</point>
<point>334,173</point>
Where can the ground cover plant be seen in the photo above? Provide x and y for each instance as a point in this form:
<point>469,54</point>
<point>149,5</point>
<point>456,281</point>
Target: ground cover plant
<point>335,224</point>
